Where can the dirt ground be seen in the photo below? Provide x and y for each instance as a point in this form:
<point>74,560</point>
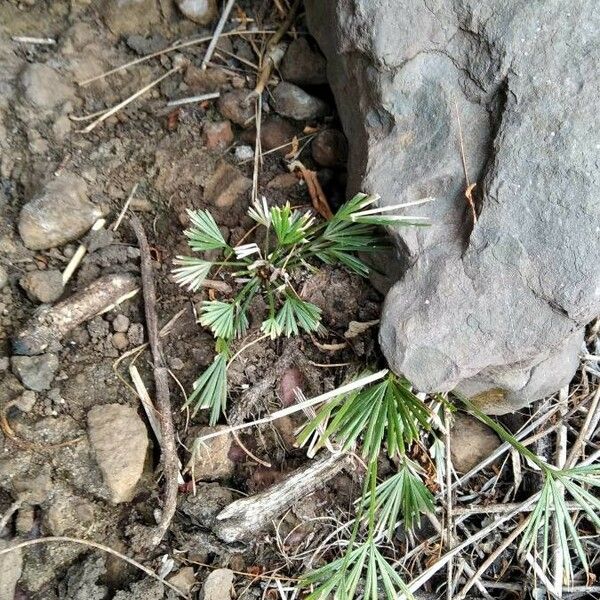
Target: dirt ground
<point>48,470</point>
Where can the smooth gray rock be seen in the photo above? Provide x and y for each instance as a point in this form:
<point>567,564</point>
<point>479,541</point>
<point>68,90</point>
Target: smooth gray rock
<point>499,306</point>
<point>291,101</point>
<point>35,372</point>
<point>60,213</point>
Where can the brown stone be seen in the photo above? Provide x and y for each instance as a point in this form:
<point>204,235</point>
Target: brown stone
<point>211,461</point>
<point>235,106</point>
<point>283,181</point>
<point>471,441</point>
<point>330,148</point>
<point>226,185</point>
<point>217,135</point>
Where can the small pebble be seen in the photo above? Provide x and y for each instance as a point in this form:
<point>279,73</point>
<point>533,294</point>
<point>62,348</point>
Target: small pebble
<point>120,341</point>
<point>217,135</point>
<point>235,107</point>
<point>243,153</point>
<point>330,148</point>
<point>135,334</point>
<point>176,364</point>
<point>121,324</point>
<point>43,286</point>
<point>3,277</point>
<point>26,401</point>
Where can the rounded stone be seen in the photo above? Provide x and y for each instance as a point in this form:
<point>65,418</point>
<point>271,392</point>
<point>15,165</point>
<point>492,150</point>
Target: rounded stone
<point>119,340</point>
<point>120,324</point>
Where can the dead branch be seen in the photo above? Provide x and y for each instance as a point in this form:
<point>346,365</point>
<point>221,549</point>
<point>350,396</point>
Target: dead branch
<point>52,324</point>
<point>243,518</point>
<point>161,382</point>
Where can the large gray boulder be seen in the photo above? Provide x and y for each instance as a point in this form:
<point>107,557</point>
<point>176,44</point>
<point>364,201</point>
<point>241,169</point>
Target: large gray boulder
<point>496,307</point>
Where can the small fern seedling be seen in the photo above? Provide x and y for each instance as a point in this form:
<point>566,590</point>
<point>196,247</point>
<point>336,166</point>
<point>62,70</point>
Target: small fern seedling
<point>292,244</point>
<point>581,482</point>
<point>385,416</point>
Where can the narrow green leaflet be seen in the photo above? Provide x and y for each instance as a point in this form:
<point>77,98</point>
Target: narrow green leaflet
<point>290,226</point>
<point>385,412</point>
<point>296,314</point>
<point>340,578</point>
<point>402,496</point>
<point>204,233</point>
<point>191,272</point>
<point>219,317</point>
<point>210,389</point>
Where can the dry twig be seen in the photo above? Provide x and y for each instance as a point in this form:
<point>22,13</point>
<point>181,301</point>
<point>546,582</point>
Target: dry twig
<point>161,380</point>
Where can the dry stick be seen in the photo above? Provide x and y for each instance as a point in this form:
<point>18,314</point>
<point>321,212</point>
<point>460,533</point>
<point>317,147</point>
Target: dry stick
<point>161,380</point>
<point>125,206</point>
<point>558,563</point>
<point>217,33</point>
<point>469,188</point>
<point>433,569</point>
<point>118,107</point>
<point>491,559</point>
<point>97,546</point>
<point>585,430</point>
<point>171,48</point>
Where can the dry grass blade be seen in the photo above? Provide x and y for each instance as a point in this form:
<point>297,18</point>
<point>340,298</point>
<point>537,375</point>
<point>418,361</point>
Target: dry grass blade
<point>124,103</point>
<point>96,546</point>
<point>172,48</point>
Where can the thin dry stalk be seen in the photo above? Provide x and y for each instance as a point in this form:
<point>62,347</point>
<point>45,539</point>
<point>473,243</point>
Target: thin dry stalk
<point>558,567</point>
<point>171,48</point>
<point>124,103</point>
<point>257,147</point>
<point>489,561</point>
<point>23,39</point>
<point>161,380</point>
<point>449,516</point>
<point>125,207</point>
<point>470,186</point>
<point>146,401</point>
<point>96,546</point>
<point>10,511</point>
<point>301,405</point>
<point>586,431</point>
<point>217,33</point>
<point>193,99</point>
<point>79,254</point>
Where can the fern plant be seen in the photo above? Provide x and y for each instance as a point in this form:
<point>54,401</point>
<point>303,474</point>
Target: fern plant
<point>551,506</point>
<point>385,416</point>
<point>293,244</point>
